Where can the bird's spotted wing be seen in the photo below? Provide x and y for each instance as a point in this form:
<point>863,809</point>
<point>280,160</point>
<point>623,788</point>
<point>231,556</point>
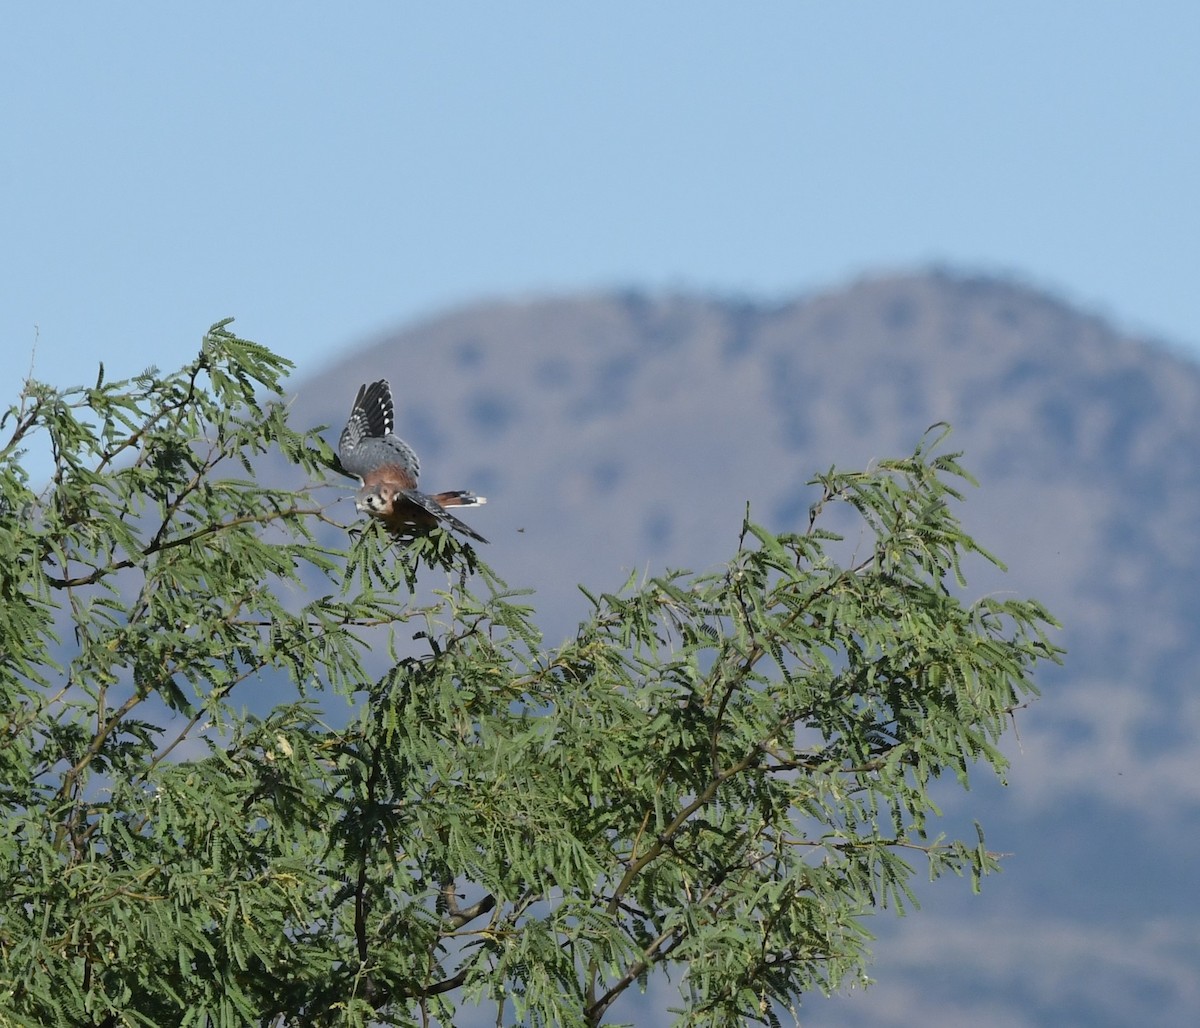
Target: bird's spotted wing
<point>427,505</point>
<point>367,443</point>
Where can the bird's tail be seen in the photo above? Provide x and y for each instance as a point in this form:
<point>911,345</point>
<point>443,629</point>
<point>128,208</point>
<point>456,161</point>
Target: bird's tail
<point>459,498</point>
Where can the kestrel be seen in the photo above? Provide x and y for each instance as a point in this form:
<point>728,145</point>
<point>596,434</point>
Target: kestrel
<point>389,468</point>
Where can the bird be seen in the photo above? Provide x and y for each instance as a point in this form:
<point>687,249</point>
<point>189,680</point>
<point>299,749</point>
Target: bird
<point>388,469</point>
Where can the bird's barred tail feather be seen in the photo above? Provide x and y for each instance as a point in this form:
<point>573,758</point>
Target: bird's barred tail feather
<point>459,498</point>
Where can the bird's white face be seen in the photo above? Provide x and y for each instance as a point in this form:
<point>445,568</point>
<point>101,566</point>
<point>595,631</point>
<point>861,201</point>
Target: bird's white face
<point>375,500</point>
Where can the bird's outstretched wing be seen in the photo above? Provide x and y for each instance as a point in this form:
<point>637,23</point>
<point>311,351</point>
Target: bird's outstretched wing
<point>368,446</point>
<point>430,506</point>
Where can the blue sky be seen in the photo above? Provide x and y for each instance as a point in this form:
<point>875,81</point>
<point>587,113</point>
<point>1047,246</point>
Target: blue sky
<point>327,172</point>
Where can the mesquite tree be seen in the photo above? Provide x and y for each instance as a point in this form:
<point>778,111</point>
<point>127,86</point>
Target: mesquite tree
<point>719,776</point>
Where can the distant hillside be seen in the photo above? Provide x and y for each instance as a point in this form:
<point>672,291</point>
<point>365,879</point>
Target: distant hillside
<point>628,431</point>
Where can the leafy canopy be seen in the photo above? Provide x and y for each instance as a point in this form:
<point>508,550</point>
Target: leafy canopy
<point>717,778</point>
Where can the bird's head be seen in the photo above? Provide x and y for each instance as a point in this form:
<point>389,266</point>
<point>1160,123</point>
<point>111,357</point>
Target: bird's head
<point>374,499</point>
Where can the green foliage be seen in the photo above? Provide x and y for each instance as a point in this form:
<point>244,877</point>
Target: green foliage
<point>720,776</point>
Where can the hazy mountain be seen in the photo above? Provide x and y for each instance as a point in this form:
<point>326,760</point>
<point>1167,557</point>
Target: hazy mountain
<point>628,431</point>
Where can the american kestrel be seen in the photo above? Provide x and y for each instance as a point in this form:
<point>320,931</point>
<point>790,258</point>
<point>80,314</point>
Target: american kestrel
<point>389,468</point>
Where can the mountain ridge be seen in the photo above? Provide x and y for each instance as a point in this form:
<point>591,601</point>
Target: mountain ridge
<point>625,432</point>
